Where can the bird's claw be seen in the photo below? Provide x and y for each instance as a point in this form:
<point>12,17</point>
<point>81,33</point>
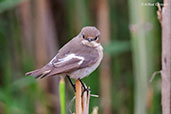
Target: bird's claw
<point>85,90</point>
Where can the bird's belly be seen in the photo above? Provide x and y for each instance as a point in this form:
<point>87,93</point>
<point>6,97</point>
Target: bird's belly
<point>79,74</point>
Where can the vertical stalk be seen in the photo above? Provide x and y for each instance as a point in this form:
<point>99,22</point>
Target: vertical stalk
<point>145,37</point>
<point>62,95</point>
<point>82,99</point>
<point>78,105</point>
<point>166,58</point>
<point>45,46</point>
<point>105,68</point>
<point>85,102</point>
<point>95,110</point>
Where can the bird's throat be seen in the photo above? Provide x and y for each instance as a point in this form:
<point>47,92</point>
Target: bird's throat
<point>90,44</point>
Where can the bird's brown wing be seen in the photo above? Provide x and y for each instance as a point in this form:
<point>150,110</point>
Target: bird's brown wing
<point>40,72</point>
<point>83,57</point>
<point>54,67</point>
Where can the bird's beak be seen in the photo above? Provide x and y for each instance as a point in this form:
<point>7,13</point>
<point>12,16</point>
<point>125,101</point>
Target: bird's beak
<point>89,39</point>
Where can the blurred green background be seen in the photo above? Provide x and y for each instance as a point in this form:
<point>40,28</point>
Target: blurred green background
<point>32,31</point>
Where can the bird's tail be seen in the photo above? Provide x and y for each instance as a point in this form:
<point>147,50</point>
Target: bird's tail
<point>39,73</point>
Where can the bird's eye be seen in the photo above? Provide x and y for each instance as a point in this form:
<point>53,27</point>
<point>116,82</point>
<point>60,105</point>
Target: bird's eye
<point>84,36</point>
<point>96,38</point>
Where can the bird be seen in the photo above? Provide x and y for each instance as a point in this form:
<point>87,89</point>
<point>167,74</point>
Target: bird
<point>76,59</point>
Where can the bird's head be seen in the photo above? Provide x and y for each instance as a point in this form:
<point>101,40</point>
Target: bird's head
<point>90,36</point>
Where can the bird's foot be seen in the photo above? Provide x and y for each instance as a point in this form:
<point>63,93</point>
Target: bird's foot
<point>85,88</point>
<point>73,85</point>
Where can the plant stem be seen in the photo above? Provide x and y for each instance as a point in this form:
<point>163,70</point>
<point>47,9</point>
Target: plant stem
<point>166,58</point>
<point>62,95</point>
<point>78,97</point>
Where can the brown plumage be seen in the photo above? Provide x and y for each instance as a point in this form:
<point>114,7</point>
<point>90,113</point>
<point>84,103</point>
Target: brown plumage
<point>78,54</point>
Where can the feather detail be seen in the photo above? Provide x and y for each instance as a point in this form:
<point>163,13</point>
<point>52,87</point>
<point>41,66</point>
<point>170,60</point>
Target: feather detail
<point>39,72</point>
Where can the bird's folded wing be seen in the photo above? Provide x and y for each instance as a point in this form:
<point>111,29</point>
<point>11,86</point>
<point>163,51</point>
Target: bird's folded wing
<point>73,62</point>
<point>73,56</point>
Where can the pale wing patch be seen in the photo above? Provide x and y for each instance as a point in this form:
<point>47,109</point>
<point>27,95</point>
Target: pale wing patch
<point>68,58</point>
<point>52,60</point>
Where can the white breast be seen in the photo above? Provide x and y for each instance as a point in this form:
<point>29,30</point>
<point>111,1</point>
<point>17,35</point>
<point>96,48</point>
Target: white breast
<point>79,74</point>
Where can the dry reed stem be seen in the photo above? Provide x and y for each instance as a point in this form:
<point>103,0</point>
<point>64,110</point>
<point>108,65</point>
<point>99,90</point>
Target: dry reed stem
<point>85,102</point>
<point>166,58</point>
<point>95,110</point>
<point>159,13</point>
<point>82,99</point>
<point>78,98</point>
<point>103,22</point>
